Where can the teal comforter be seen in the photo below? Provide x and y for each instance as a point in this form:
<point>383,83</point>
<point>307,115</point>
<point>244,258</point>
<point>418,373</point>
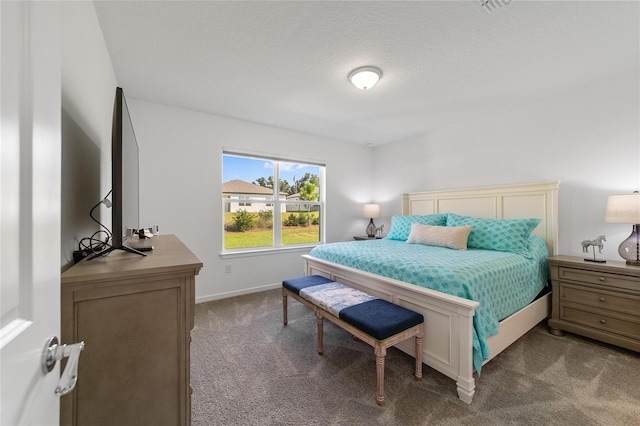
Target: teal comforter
<point>502,282</point>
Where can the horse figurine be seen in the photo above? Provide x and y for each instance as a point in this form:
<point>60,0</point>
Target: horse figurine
<point>597,242</point>
<point>378,231</point>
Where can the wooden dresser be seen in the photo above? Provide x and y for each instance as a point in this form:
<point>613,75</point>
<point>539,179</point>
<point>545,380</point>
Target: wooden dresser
<point>135,315</point>
<point>597,300</point>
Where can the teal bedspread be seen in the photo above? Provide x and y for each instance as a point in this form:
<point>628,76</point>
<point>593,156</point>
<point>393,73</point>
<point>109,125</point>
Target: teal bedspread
<point>502,282</point>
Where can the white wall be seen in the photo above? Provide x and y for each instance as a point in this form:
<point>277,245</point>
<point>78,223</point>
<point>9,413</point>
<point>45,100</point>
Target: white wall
<point>587,138</point>
<point>180,175</point>
<point>88,92</point>
<point>181,187</point>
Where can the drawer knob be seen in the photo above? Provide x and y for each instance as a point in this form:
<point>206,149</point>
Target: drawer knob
<point>601,279</point>
<point>603,321</point>
<point>602,299</point>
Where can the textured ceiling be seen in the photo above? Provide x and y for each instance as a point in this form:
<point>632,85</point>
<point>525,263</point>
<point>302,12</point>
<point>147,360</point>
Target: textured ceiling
<point>285,64</point>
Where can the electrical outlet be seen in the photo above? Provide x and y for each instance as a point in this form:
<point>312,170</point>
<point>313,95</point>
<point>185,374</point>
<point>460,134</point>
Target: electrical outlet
<point>227,268</point>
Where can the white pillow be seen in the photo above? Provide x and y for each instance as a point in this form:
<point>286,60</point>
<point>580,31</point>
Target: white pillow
<point>454,237</point>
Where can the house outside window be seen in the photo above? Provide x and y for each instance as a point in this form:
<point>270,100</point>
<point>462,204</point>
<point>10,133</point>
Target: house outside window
<point>270,203</point>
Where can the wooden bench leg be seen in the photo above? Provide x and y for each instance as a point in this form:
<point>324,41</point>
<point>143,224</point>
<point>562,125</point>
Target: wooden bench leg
<point>380,347</point>
<point>419,356</point>
<point>381,352</point>
<point>284,306</point>
<point>320,332</point>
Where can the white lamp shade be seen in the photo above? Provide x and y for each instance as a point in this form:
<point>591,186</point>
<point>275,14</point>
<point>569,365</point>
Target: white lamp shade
<point>371,210</point>
<point>365,77</point>
<point>623,208</point>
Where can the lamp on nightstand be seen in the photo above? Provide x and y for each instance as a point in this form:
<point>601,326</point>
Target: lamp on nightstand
<point>371,211</point>
<point>626,209</point>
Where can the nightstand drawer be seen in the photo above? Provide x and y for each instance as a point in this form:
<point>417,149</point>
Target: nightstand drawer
<point>629,327</point>
<point>600,299</point>
<point>594,277</point>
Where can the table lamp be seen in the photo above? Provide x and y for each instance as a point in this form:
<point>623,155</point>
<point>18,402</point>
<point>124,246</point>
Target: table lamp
<point>626,209</point>
<point>371,211</point>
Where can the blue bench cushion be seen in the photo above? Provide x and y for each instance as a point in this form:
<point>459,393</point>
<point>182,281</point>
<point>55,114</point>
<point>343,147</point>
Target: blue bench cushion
<point>297,284</point>
<point>380,319</point>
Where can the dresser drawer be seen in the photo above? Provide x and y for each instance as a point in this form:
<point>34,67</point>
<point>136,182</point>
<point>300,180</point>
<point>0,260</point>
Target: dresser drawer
<point>600,298</point>
<point>594,277</point>
<point>626,326</point>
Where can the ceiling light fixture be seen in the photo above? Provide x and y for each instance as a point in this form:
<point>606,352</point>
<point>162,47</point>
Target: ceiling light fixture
<point>493,5</point>
<point>365,77</point>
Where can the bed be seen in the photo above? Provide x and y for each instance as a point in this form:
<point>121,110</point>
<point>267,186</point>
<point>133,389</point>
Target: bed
<point>450,335</point>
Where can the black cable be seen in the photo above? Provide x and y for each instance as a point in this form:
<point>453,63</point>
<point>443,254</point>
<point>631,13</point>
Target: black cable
<point>105,201</point>
<point>93,244</point>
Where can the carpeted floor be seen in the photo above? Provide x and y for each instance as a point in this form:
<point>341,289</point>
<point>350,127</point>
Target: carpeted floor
<point>248,369</point>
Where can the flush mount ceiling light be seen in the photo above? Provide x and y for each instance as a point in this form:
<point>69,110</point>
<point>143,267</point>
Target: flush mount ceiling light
<point>365,77</point>
<point>493,5</point>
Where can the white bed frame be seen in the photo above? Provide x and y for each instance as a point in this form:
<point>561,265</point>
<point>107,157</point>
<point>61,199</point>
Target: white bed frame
<point>448,319</point>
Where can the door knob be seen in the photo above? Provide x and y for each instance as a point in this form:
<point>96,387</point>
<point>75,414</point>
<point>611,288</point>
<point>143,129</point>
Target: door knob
<point>53,352</point>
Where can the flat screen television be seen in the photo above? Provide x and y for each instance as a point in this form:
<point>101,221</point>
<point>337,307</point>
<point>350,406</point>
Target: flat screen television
<point>125,194</point>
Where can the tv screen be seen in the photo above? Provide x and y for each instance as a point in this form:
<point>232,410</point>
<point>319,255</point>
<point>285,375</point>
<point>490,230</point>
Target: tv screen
<point>125,180</point>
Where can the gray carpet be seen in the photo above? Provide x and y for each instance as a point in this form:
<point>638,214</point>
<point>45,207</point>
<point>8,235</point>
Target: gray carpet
<point>248,369</point>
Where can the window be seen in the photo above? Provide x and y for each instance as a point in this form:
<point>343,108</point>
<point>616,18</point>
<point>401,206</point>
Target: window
<point>270,203</point>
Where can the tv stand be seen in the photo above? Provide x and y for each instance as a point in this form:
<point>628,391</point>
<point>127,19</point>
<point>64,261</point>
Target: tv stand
<point>110,249</point>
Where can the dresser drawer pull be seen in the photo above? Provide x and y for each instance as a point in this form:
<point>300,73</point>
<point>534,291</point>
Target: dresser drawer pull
<point>602,299</point>
<point>603,321</point>
<point>601,279</point>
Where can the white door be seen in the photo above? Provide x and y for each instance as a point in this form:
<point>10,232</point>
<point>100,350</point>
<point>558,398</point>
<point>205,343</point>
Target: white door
<point>29,209</point>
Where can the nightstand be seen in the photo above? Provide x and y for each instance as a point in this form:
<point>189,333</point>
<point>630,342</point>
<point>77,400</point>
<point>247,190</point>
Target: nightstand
<point>364,237</point>
<point>596,300</point>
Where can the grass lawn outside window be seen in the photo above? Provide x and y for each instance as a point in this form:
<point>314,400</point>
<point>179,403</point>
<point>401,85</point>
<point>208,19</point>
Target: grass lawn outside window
<point>263,237</point>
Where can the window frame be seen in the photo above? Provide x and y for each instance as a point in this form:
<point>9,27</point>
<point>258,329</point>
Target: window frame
<point>278,204</point>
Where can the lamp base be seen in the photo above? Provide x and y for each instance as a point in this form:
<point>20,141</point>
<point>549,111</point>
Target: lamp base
<point>629,249</point>
<point>371,229</point>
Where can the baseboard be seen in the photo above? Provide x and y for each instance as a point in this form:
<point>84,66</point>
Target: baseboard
<point>219,296</point>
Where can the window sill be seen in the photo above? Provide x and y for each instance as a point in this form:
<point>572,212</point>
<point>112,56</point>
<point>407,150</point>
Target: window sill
<point>267,251</point>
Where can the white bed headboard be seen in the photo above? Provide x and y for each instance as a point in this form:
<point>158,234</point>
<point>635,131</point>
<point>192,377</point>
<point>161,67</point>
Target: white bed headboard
<point>539,200</point>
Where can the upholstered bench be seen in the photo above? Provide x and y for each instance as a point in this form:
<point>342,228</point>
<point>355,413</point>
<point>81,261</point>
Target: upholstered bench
<point>375,321</point>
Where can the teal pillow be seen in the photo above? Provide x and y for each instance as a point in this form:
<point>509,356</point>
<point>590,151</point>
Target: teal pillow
<point>510,235</point>
<point>401,225</point>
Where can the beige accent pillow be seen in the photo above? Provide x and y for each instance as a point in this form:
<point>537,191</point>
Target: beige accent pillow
<point>454,237</point>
